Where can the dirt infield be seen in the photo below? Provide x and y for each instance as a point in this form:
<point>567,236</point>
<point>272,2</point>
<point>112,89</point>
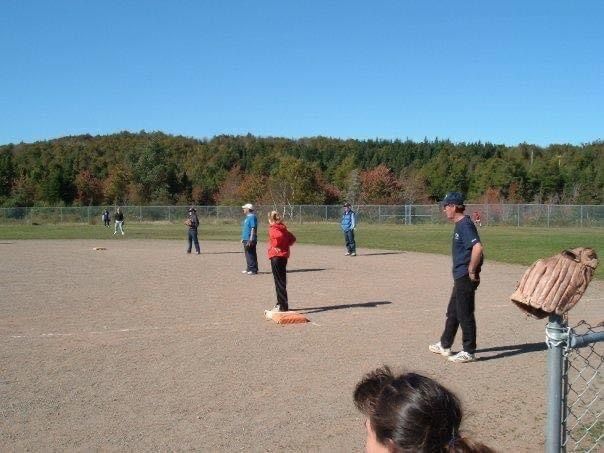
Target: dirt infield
<point>142,347</point>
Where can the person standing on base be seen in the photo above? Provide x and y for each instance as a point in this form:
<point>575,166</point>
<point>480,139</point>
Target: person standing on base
<point>467,251</point>
<point>348,224</point>
<point>249,239</point>
<point>279,242</point>
<point>193,222</point>
<point>119,221</point>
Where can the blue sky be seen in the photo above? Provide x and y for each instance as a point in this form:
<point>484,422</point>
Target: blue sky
<point>504,72</point>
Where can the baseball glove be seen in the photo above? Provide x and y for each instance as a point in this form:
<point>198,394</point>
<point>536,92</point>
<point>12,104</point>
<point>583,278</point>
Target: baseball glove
<point>188,222</point>
<point>555,284</point>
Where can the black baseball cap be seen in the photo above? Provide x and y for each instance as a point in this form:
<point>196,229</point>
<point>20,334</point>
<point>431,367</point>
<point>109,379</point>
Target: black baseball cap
<point>455,198</point>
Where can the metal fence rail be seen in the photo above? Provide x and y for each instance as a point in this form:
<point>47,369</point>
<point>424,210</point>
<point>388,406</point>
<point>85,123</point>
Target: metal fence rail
<point>575,409</point>
<point>491,214</point>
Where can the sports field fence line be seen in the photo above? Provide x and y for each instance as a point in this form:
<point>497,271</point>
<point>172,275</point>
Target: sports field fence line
<point>537,215</point>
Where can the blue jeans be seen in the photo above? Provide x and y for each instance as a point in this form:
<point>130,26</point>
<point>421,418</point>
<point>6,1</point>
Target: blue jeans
<point>351,245</point>
<point>251,258</point>
<point>193,240</point>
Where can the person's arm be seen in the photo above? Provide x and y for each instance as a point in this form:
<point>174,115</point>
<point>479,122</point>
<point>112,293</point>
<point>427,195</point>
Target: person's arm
<point>353,220</point>
<point>475,259</point>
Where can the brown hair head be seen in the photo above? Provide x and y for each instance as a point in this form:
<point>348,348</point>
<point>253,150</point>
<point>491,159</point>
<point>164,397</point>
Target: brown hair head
<point>411,412</point>
<point>275,217</point>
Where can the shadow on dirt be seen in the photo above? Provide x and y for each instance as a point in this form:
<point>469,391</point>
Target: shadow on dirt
<point>307,270</point>
<point>340,307</point>
<point>507,351</point>
<point>382,253</point>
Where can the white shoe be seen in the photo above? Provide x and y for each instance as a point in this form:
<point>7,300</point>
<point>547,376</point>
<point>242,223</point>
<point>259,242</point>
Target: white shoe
<point>244,272</point>
<point>437,348</point>
<point>347,254</point>
<point>462,357</point>
<point>353,254</point>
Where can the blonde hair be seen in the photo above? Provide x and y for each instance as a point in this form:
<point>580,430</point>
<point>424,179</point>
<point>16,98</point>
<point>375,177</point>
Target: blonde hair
<point>274,217</point>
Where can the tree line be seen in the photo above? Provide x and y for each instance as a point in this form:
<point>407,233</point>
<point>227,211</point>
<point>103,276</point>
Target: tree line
<point>157,168</point>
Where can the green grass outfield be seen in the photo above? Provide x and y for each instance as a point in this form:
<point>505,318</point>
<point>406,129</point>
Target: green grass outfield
<point>516,245</point>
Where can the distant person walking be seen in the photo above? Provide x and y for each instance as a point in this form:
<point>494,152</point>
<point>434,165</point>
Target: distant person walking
<point>467,263</point>
<point>348,224</point>
<point>193,223</point>
<point>279,242</point>
<point>106,218</point>
<point>119,221</point>
<point>249,239</point>
<point>476,218</point>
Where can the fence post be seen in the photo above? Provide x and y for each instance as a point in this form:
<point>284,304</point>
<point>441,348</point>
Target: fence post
<point>581,221</point>
<point>556,335</point>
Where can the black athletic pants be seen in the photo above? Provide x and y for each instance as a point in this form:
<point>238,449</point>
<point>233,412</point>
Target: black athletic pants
<point>278,266</point>
<point>460,312</point>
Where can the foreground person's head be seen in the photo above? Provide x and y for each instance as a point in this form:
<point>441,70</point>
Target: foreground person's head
<point>411,413</point>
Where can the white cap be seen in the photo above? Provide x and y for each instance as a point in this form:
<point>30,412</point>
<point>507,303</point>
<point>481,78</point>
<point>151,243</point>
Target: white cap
<point>249,206</point>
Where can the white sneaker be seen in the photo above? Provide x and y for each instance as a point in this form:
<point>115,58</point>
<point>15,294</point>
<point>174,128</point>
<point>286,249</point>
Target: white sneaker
<point>437,348</point>
<point>244,272</point>
<point>268,314</point>
<point>462,357</point>
<point>353,254</point>
<point>347,254</point>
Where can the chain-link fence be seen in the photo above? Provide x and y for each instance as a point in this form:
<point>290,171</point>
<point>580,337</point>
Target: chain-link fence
<point>489,214</point>
<point>575,357</point>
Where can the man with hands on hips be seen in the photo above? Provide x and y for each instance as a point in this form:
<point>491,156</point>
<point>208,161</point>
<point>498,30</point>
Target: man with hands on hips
<point>467,251</point>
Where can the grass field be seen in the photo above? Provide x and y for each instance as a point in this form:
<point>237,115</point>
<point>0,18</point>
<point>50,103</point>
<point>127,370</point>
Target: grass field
<point>515,245</point>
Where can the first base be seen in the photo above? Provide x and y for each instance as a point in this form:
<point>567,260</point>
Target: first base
<point>285,317</point>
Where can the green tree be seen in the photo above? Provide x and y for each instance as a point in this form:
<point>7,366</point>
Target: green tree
<point>295,182</point>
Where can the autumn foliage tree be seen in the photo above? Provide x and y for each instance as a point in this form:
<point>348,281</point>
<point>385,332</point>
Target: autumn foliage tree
<point>89,189</point>
<point>155,167</point>
<point>379,186</point>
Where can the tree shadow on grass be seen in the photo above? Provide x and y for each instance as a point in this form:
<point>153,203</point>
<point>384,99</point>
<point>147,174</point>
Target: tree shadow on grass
<point>507,351</point>
<point>340,307</point>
